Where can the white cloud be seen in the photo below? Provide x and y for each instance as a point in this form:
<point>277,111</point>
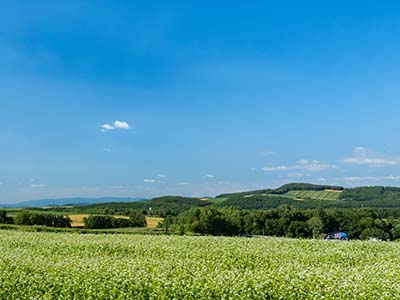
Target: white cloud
<point>116,125</point>
<point>360,149</point>
<point>183,183</point>
<point>371,178</point>
<point>121,124</point>
<point>367,157</point>
<point>149,180</point>
<point>302,165</point>
<point>375,162</point>
<point>161,175</point>
<point>279,168</point>
<point>210,176</point>
<point>106,127</point>
<point>107,149</point>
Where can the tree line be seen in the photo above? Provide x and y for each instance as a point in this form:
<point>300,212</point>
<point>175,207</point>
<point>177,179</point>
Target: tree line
<point>135,219</point>
<point>287,221</point>
<point>50,220</point>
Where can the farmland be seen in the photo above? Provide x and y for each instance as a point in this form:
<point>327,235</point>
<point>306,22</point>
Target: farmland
<point>315,195</point>
<point>78,220</point>
<point>72,266</point>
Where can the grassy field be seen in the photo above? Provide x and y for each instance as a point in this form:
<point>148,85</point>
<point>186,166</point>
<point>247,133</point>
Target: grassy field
<point>315,195</point>
<point>71,266</point>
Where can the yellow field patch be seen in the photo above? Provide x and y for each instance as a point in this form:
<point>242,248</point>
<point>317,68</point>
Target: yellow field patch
<point>152,222</point>
<point>78,220</point>
<point>334,191</point>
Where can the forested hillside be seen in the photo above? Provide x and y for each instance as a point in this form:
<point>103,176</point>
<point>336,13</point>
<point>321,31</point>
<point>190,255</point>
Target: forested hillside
<point>303,195</point>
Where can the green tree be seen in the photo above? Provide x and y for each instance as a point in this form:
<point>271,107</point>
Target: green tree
<point>137,219</point>
<point>316,226</point>
<point>4,219</point>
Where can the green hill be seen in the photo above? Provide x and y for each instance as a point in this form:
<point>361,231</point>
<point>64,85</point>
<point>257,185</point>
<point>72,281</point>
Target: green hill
<point>304,195</point>
<point>299,195</point>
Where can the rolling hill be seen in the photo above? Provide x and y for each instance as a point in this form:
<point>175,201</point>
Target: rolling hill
<point>303,195</point>
<point>299,195</point>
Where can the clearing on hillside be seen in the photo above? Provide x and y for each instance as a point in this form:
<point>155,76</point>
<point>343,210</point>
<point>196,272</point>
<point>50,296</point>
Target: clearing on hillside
<point>316,195</point>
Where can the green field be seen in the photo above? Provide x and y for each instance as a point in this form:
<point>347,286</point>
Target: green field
<point>72,266</point>
<point>315,195</point>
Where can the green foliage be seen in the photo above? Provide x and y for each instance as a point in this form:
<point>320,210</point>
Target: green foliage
<point>137,219</point>
<point>4,219</point>
<point>372,193</point>
<point>95,222</point>
<point>104,222</point>
<point>257,192</point>
<point>287,221</point>
<point>162,207</point>
<point>50,220</point>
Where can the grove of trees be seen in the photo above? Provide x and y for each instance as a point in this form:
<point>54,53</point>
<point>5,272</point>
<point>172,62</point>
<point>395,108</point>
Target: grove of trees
<point>135,219</point>
<point>50,220</point>
<point>287,221</point>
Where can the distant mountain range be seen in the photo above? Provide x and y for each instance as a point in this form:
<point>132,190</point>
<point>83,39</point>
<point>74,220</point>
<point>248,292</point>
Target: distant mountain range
<point>67,201</point>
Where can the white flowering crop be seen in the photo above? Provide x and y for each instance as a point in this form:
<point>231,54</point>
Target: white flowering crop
<point>72,266</point>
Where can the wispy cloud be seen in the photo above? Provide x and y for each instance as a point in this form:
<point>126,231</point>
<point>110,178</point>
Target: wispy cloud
<point>371,178</point>
<point>368,157</point>
<point>161,175</point>
<point>302,165</point>
<point>152,180</point>
<point>116,125</point>
<point>210,176</point>
<point>267,153</point>
<point>149,180</point>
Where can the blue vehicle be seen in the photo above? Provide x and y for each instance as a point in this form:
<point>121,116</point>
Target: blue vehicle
<point>338,235</point>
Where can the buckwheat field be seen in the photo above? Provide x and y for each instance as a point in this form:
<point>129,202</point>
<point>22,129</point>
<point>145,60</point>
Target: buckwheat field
<point>73,266</point>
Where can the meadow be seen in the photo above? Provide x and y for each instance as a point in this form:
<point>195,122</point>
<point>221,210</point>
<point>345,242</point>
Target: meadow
<point>73,266</point>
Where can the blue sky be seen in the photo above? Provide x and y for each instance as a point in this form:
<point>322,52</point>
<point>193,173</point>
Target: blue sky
<point>146,98</point>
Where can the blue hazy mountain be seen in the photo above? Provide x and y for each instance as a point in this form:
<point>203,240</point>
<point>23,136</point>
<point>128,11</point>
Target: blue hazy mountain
<point>72,201</point>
